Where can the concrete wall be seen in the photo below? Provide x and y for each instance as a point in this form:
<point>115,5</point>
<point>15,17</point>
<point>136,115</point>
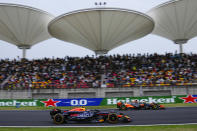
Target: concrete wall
<point>82,95</point>
<point>157,93</point>
<point>119,94</point>
<point>45,95</point>
<point>97,92</point>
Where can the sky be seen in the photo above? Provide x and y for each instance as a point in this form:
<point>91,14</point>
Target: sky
<point>54,48</point>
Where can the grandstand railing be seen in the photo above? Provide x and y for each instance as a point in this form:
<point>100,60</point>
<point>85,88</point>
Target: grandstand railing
<point>45,85</point>
<point>113,85</point>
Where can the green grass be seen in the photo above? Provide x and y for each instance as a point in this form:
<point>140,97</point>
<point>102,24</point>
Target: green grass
<point>92,107</point>
<point>129,128</point>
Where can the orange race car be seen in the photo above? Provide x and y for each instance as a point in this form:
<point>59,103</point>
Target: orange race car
<point>138,105</point>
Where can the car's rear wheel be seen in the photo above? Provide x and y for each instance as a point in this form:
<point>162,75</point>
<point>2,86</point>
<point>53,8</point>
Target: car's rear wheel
<point>123,107</point>
<point>112,118</point>
<point>155,107</point>
<point>58,119</point>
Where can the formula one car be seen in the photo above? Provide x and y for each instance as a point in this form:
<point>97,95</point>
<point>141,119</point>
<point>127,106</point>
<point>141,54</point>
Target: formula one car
<point>136,105</point>
<point>81,114</point>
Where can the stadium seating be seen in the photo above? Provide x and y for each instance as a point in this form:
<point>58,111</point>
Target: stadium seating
<point>87,72</point>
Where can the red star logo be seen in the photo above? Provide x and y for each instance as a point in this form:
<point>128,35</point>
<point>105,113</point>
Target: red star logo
<point>188,99</point>
<point>50,102</point>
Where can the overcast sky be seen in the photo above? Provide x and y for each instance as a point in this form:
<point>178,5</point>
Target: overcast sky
<point>56,48</point>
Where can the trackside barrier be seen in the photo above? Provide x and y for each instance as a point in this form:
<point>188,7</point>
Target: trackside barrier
<point>151,99</point>
<point>96,101</point>
<point>18,105</point>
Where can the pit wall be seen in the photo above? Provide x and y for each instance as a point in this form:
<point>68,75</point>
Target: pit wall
<point>97,92</point>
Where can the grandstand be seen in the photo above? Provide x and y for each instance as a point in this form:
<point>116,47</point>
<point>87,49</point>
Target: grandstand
<point>111,71</point>
<point>126,72</point>
<point>102,75</point>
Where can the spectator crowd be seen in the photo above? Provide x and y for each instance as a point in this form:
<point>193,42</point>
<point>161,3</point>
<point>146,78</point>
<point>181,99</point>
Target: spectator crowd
<point>102,71</point>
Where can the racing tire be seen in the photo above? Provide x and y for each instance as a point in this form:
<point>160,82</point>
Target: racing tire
<point>58,119</point>
<point>54,111</point>
<point>123,107</point>
<point>155,107</point>
<point>112,118</point>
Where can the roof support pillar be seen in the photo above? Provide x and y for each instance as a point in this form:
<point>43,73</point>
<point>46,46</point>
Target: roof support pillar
<point>181,42</point>
<point>24,49</point>
<point>100,52</point>
<point>24,52</point>
<point>181,48</point>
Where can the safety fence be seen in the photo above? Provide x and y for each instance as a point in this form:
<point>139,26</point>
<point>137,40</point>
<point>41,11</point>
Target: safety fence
<point>57,85</point>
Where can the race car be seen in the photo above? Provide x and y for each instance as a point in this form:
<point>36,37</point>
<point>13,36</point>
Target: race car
<point>138,105</point>
<point>81,114</point>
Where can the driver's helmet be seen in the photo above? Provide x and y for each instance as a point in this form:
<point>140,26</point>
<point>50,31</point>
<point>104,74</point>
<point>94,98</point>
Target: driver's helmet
<point>83,108</point>
<point>78,109</point>
<point>136,101</point>
<point>120,103</point>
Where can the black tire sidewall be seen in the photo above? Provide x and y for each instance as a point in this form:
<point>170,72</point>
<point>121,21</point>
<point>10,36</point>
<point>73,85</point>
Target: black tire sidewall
<point>58,116</point>
<point>115,117</point>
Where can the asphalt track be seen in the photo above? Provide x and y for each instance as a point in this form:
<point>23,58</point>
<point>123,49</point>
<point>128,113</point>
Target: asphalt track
<point>180,115</point>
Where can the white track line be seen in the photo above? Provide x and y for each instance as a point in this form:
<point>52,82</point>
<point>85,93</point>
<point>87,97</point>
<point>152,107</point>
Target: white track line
<point>95,126</point>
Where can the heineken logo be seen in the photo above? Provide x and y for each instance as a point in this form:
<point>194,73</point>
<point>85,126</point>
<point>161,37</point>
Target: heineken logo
<point>15,102</point>
<point>114,101</point>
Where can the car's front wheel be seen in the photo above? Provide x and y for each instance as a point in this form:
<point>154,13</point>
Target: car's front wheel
<point>123,107</point>
<point>155,107</point>
<point>112,118</point>
<point>58,119</point>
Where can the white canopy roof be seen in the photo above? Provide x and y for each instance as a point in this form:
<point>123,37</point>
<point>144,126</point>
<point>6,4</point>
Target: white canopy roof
<point>176,20</point>
<point>23,26</point>
<point>101,29</point>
